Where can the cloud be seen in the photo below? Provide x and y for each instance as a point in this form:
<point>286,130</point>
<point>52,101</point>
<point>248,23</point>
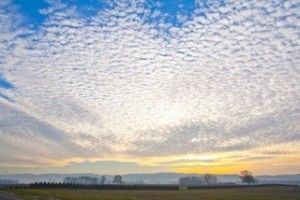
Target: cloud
<point>24,139</point>
<point>114,83</point>
<point>107,167</point>
<point>189,162</point>
<point>28,141</point>
<point>199,137</point>
<point>256,158</point>
<point>276,152</point>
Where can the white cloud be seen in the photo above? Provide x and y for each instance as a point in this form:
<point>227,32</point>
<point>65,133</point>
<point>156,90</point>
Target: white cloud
<point>108,82</point>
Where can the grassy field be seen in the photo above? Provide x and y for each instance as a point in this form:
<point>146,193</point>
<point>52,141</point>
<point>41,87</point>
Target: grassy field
<point>262,193</point>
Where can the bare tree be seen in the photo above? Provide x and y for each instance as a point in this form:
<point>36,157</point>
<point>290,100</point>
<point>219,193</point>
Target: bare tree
<point>190,181</point>
<point>247,177</point>
<point>103,179</point>
<point>209,179</point>
<point>84,180</point>
<point>117,179</point>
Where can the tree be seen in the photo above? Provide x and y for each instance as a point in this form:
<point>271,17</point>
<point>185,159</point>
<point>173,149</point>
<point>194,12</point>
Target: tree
<point>247,177</point>
<point>117,179</point>
<point>209,179</point>
<point>103,180</point>
<point>83,180</point>
<point>190,181</point>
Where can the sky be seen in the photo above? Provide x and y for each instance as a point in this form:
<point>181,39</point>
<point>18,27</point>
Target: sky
<point>144,86</point>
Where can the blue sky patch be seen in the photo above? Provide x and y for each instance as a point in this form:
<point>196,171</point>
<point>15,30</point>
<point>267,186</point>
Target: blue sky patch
<point>31,11</point>
<point>87,8</point>
<point>172,12</point>
<point>5,84</point>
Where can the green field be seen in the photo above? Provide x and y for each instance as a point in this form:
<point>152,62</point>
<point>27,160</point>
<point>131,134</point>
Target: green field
<point>261,193</point>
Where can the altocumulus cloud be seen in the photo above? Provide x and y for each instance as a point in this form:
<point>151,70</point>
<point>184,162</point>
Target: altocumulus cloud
<point>116,83</point>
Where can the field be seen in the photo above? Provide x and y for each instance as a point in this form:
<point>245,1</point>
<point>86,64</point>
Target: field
<point>261,193</point>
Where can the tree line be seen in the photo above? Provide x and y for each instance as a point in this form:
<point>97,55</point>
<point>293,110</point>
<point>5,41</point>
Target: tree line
<point>207,179</point>
<point>117,182</point>
<point>210,180</point>
<point>86,180</point>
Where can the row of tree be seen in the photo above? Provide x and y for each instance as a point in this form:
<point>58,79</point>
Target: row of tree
<point>86,180</point>
<point>207,179</point>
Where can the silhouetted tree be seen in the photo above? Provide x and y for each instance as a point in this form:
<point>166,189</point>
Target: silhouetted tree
<point>102,180</point>
<point>117,179</point>
<point>247,177</point>
<point>82,180</point>
<point>209,179</point>
<point>190,181</point>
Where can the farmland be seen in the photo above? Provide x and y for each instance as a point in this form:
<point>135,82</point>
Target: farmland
<point>258,193</point>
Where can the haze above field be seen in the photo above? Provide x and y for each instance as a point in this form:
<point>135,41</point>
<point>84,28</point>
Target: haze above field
<point>153,178</point>
<point>118,87</point>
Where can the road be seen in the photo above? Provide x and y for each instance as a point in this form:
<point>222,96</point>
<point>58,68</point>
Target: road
<point>4,196</point>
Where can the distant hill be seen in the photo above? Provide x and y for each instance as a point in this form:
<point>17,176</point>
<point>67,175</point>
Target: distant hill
<point>155,178</point>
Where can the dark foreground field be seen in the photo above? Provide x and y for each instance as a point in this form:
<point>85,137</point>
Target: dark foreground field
<point>261,193</point>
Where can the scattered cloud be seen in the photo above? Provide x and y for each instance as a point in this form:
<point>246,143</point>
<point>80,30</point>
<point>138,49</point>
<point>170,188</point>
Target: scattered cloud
<point>115,83</point>
<point>199,137</point>
<point>256,158</point>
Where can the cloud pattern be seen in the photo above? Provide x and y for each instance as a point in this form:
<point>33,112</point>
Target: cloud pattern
<point>115,83</point>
